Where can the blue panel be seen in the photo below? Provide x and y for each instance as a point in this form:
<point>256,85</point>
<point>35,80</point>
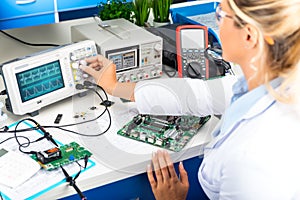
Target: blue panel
<point>192,10</point>
<point>67,5</point>
<point>180,15</point>
<point>139,187</point>
<point>11,10</point>
<point>75,14</point>
<point>13,15</point>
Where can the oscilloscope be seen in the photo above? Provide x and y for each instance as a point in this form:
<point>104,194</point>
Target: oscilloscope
<point>40,79</point>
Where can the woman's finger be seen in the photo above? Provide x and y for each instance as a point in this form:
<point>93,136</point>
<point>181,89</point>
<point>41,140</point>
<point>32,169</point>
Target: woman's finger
<point>183,175</point>
<point>93,59</point>
<point>170,165</point>
<point>156,167</point>
<point>163,165</point>
<point>151,177</point>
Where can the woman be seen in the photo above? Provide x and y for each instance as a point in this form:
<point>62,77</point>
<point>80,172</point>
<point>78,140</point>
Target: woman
<point>255,150</point>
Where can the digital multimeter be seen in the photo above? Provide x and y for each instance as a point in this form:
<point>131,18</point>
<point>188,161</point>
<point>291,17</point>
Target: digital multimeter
<point>191,42</point>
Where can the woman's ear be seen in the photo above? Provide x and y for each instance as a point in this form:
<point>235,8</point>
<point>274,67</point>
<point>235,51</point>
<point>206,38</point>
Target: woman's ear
<point>251,36</point>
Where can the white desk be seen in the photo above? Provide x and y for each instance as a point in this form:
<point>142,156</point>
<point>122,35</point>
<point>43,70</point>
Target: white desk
<point>116,157</point>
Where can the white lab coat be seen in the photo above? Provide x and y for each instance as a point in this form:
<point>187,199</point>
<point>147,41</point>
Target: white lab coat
<point>178,96</point>
<point>258,158</point>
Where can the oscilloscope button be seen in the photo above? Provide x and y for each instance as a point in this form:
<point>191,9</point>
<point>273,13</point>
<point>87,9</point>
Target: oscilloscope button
<point>140,76</point>
<point>75,65</point>
<point>126,79</point>
<point>153,73</point>
<point>73,57</point>
<point>121,79</point>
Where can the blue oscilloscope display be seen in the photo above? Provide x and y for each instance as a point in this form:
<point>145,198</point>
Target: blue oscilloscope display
<point>40,80</point>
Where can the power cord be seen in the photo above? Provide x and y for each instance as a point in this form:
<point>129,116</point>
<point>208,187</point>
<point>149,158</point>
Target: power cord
<point>27,43</point>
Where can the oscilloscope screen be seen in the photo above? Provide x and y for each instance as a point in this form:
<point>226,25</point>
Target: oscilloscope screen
<point>40,80</point>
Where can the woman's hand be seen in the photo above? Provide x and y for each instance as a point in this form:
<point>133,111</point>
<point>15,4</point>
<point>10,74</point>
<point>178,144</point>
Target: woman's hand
<point>104,73</point>
<point>167,185</point>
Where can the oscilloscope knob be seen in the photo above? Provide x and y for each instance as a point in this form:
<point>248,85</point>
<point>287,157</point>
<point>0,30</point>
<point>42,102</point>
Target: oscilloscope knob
<point>157,47</point>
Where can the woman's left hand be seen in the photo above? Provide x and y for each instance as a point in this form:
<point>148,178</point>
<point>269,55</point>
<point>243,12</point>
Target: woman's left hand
<point>166,184</point>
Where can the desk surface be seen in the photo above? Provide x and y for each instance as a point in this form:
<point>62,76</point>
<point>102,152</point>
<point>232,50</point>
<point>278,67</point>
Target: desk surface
<point>116,157</point>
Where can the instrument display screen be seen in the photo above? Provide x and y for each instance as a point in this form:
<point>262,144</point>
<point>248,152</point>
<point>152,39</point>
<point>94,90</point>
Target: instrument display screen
<point>40,80</point>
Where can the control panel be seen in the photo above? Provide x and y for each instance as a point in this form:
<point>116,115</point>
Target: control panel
<point>76,58</point>
<point>130,71</point>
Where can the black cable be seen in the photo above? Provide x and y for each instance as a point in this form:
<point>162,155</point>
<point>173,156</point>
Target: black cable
<point>73,183</point>
<point>27,43</point>
<point>81,134</point>
<point>62,127</point>
<point>14,138</point>
<point>5,129</point>
<point>24,145</point>
<point>174,58</point>
<point>87,85</point>
<point>3,92</point>
<point>214,55</point>
<point>66,125</point>
<point>20,130</point>
<point>169,71</point>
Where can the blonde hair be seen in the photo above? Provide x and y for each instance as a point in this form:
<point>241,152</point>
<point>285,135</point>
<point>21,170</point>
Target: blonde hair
<point>278,20</point>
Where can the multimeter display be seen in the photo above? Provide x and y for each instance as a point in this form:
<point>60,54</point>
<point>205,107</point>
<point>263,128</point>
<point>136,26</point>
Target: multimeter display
<point>193,39</point>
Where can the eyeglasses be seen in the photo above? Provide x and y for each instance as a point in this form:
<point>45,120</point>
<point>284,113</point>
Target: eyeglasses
<point>220,14</point>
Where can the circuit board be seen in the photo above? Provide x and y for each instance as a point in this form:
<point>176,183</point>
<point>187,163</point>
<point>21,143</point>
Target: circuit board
<point>69,153</point>
<point>169,132</point>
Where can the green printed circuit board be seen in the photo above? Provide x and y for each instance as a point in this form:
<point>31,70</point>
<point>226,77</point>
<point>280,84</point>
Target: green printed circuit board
<point>169,132</point>
<point>58,156</point>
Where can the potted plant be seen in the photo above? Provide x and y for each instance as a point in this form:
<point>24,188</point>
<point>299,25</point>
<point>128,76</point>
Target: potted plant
<point>161,11</point>
<point>141,9</point>
<point>114,9</point>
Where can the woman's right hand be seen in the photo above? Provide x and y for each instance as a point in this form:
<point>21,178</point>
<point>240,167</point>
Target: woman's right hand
<point>103,70</point>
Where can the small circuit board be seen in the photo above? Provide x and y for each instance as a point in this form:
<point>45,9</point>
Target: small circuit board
<point>54,158</point>
<point>169,132</point>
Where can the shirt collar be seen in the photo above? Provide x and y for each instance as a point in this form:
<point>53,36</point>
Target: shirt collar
<point>243,101</point>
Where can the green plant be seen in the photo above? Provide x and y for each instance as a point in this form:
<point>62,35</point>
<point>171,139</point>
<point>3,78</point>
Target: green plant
<point>141,9</point>
<point>114,9</point>
<point>161,9</point>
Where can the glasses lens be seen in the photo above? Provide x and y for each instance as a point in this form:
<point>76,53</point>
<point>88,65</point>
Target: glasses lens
<point>218,15</point>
